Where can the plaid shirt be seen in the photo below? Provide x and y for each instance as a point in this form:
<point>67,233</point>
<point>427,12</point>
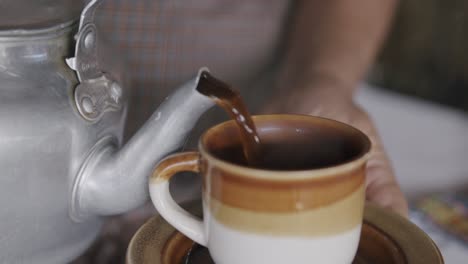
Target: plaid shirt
<point>165,42</point>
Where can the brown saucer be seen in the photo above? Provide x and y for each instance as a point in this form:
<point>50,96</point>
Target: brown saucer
<point>386,238</point>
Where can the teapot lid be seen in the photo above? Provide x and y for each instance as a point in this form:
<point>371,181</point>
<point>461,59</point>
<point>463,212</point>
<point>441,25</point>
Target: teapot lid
<point>38,14</point>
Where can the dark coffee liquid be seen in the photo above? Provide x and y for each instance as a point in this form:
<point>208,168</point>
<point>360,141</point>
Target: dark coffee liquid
<point>292,147</point>
<point>231,101</point>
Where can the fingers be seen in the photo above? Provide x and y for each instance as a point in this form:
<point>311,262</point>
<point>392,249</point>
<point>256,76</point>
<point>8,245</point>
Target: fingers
<point>383,189</point>
<point>389,197</point>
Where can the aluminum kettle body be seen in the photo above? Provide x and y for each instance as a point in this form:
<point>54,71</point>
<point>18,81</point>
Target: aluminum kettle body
<point>43,141</point>
<point>62,163</point>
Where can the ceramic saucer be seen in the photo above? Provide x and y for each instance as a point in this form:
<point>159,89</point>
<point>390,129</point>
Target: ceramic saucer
<point>386,238</point>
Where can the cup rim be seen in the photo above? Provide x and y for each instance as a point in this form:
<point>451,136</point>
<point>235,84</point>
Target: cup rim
<point>288,175</point>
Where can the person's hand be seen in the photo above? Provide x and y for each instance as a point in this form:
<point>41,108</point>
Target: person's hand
<point>381,185</point>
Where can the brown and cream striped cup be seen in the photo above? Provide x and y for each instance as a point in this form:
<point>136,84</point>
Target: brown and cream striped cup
<point>304,204</point>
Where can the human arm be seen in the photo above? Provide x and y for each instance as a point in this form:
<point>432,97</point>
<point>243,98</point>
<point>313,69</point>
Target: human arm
<point>332,44</point>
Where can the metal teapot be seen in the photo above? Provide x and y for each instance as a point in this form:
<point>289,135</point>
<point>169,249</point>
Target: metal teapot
<point>62,114</point>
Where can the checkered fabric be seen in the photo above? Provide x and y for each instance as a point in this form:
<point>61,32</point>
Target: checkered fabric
<point>165,42</point>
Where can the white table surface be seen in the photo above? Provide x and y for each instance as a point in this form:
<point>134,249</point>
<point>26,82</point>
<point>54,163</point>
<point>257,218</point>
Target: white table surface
<point>428,145</point>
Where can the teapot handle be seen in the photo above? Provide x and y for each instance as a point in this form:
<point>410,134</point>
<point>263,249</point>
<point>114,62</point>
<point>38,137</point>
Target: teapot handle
<point>87,16</point>
<point>85,60</point>
<point>100,72</point>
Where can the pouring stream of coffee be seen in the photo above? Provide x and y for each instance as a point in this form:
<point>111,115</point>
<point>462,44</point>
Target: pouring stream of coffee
<point>231,101</point>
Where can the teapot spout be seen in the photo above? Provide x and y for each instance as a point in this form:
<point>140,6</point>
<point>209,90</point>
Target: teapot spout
<point>113,181</point>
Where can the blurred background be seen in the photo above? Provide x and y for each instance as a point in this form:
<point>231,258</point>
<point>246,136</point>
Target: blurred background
<point>417,93</point>
<point>425,55</point>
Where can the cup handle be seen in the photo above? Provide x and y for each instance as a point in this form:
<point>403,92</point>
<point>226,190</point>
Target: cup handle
<point>183,221</point>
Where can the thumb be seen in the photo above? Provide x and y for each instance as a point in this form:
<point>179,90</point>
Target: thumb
<point>383,190</point>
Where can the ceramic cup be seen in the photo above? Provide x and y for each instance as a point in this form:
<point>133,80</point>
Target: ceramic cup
<point>253,215</point>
